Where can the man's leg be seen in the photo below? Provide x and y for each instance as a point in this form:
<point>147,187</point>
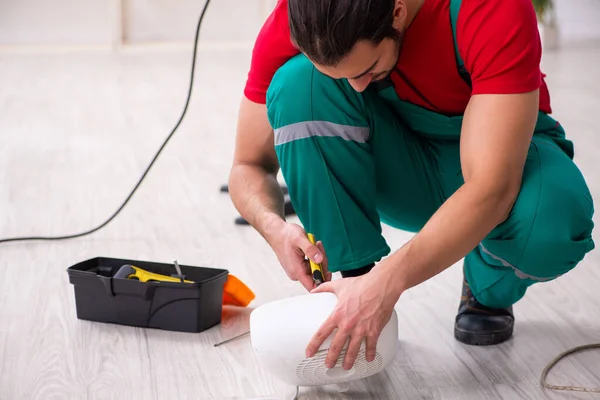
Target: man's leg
<point>348,161</point>
<point>547,233</point>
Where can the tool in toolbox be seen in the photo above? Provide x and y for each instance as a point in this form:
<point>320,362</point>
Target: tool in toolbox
<point>235,292</point>
<point>129,271</point>
<point>178,270</point>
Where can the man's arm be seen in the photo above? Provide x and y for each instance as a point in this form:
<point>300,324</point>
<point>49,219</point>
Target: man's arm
<point>501,47</point>
<point>253,184</point>
<point>258,197</point>
<point>496,135</point>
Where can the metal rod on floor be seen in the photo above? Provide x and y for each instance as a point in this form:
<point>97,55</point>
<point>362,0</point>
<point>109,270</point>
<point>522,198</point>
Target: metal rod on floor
<point>232,339</point>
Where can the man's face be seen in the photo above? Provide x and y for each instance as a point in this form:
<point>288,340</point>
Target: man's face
<point>366,63</point>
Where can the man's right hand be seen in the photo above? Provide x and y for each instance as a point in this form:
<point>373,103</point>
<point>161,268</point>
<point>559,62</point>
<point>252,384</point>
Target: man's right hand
<point>257,195</point>
<point>293,250</point>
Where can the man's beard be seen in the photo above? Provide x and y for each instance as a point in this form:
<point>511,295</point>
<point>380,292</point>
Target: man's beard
<point>398,41</point>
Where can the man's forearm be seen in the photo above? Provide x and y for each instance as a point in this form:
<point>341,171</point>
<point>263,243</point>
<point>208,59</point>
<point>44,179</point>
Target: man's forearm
<point>257,196</point>
<point>462,222</point>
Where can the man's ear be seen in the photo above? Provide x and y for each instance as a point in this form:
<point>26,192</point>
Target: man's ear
<point>400,14</point>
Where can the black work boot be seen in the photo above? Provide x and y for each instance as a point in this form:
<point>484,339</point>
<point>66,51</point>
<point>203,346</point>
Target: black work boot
<point>479,325</point>
<point>358,272</point>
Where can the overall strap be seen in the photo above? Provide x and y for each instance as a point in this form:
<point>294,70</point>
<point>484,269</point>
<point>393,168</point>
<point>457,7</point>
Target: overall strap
<point>454,9</point>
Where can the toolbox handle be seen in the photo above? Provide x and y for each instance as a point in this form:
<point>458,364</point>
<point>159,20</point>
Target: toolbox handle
<point>134,288</point>
<point>129,287</point>
<point>107,283</point>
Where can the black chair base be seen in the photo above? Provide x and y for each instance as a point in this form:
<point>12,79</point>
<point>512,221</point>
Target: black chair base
<point>287,208</point>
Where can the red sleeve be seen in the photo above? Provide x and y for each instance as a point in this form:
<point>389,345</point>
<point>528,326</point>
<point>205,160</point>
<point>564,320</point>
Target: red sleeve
<point>272,49</point>
<point>500,45</point>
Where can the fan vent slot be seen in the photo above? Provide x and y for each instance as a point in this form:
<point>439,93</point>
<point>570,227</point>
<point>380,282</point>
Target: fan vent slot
<point>314,372</point>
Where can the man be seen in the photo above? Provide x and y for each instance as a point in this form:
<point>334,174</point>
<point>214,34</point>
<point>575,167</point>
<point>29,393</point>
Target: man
<point>431,116</point>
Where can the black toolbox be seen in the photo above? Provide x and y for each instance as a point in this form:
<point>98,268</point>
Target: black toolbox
<point>173,306</point>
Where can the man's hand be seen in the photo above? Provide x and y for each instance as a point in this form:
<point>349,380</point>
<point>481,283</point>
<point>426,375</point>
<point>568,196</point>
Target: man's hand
<point>363,308</point>
<point>293,250</point>
<point>256,194</point>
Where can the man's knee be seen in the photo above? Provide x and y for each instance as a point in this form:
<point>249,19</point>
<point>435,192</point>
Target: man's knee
<point>299,93</point>
<point>289,94</point>
<point>561,228</point>
<point>550,227</point>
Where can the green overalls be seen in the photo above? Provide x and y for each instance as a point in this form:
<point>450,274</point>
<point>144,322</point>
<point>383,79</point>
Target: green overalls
<point>353,160</point>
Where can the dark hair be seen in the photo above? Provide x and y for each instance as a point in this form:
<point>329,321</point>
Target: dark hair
<point>327,30</point>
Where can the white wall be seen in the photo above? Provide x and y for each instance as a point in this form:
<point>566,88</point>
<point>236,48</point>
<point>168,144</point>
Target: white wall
<point>102,22</point>
<point>52,22</point>
<point>168,20</point>
<point>579,20</point>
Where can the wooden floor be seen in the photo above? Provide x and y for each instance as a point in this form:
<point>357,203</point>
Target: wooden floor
<point>77,131</point>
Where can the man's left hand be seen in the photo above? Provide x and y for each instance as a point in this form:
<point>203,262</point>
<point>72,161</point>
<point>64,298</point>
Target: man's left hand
<point>364,306</point>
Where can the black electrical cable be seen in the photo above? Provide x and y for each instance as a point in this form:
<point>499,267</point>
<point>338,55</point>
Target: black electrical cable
<point>189,95</point>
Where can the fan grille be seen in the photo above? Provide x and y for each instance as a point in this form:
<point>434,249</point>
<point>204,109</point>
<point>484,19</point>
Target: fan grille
<point>312,371</point>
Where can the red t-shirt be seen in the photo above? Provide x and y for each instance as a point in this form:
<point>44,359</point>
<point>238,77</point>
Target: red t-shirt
<point>498,40</point>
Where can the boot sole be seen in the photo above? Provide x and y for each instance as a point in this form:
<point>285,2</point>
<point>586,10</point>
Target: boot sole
<point>482,339</point>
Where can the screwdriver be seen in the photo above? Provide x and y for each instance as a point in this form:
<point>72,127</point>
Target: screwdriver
<point>316,269</point>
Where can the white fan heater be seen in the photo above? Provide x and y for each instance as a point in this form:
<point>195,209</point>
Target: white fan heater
<point>280,332</point>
